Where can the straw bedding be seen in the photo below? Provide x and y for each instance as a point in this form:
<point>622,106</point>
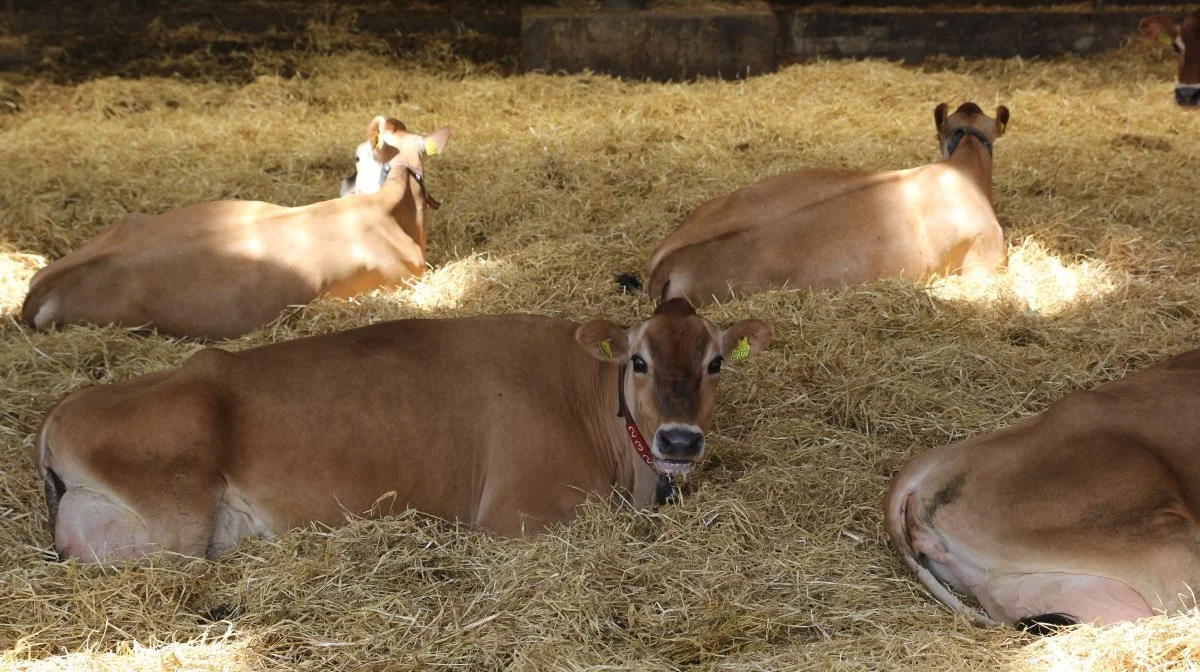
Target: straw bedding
<point>775,558</point>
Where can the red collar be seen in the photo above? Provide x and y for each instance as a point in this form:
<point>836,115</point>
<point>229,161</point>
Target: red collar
<point>631,428</point>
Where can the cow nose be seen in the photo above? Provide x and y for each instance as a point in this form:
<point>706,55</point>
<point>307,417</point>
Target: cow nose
<point>1188,96</point>
<point>680,443</point>
<point>347,186</point>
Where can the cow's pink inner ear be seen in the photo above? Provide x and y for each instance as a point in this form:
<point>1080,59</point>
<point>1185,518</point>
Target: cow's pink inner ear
<point>603,340</point>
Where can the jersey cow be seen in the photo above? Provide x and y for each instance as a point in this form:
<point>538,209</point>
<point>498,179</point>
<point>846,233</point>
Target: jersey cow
<point>1088,512</point>
<point>1184,39</point>
<point>508,422</point>
<point>221,269</point>
<point>818,229</point>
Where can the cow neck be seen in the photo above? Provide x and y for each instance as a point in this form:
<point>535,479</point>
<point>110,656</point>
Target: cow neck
<point>971,157</point>
<point>393,195</point>
<point>394,191</point>
<point>631,429</point>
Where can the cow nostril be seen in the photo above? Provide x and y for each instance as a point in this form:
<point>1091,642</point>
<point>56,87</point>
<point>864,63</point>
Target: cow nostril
<point>681,443</point>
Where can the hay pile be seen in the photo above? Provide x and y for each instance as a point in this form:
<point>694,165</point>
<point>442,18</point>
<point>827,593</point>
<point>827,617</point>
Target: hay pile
<point>775,558</point>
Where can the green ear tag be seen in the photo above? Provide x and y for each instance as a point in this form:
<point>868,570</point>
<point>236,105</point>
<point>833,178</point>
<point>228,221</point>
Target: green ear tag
<point>431,147</point>
<point>1165,39</point>
<point>606,349</point>
<point>741,350</point>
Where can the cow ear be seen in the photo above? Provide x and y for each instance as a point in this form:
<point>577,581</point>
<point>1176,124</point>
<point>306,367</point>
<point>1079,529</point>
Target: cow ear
<point>745,338</point>
<point>1001,120</point>
<point>603,340</point>
<point>939,115</point>
<point>375,132</point>
<point>1159,28</point>
<point>435,143</point>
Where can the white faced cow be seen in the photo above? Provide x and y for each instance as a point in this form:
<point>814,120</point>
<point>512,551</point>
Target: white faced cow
<point>221,269</point>
<point>818,229</point>
<point>508,422</point>
<point>1088,512</point>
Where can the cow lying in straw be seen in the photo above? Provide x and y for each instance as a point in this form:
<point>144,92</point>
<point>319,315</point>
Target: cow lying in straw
<point>1087,512</point>
<point>221,269</point>
<point>1184,39</point>
<point>817,229</point>
<point>506,421</point>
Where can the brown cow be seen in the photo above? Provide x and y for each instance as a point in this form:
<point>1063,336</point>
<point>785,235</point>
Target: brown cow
<point>1184,39</point>
<point>817,229</point>
<point>508,422</point>
<point>221,269</point>
<point>1088,512</point>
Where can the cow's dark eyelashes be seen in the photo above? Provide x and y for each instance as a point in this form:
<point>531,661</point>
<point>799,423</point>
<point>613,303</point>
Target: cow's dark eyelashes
<point>714,366</point>
<point>639,364</point>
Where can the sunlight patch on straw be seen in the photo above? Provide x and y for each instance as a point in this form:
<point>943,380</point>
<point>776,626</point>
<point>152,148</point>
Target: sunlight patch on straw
<point>16,269</point>
<point>132,656</point>
<point>1036,279</point>
<point>447,287</point>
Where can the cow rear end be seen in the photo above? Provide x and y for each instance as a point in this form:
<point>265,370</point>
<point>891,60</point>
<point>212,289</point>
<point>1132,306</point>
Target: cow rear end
<point>130,471</point>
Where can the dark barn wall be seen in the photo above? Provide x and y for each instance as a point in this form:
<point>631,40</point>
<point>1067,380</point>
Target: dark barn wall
<point>83,38</point>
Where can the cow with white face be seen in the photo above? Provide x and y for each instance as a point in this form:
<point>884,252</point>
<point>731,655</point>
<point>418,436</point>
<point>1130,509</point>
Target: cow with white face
<point>1184,39</point>
<point>223,268</point>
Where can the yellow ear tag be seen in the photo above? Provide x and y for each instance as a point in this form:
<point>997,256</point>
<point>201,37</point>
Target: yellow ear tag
<point>1164,39</point>
<point>741,350</point>
<point>379,141</point>
<point>999,127</point>
<point>606,349</point>
<point>431,147</point>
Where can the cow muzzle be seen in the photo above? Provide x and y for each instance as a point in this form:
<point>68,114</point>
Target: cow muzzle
<point>1188,95</point>
<point>677,448</point>
<point>346,188</point>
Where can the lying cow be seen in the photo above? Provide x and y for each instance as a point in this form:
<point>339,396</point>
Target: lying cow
<point>221,269</point>
<point>817,229</point>
<point>508,422</point>
<point>1184,39</point>
<point>1088,512</point>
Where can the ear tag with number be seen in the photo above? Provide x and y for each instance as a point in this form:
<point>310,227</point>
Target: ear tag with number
<point>606,349</point>
<point>741,350</point>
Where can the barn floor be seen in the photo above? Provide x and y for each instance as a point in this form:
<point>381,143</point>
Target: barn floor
<point>775,559</point>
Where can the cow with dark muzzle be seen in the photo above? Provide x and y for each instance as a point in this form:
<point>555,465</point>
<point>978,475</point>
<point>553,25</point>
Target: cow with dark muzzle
<point>1184,40</point>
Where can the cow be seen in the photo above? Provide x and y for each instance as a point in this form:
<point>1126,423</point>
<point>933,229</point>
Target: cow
<point>507,422</point>
<point>1088,512</point>
<point>1184,39</point>
<point>819,229</point>
<point>221,269</point>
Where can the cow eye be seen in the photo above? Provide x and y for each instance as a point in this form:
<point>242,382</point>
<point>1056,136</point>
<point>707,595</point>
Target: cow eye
<point>639,364</point>
<point>715,365</point>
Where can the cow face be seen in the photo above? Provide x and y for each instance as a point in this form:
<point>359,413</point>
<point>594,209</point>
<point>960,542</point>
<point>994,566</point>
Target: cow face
<point>673,362</point>
<point>968,118</point>
<point>1184,40</point>
<point>390,146</point>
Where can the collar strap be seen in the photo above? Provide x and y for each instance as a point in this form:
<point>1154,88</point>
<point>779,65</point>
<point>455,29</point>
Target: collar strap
<point>631,428</point>
<point>429,199</point>
<point>967,130</point>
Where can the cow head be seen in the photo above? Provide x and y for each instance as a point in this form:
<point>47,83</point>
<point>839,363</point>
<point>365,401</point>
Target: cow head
<point>1185,42</point>
<point>390,146</point>
<point>672,365</point>
<point>968,119</point>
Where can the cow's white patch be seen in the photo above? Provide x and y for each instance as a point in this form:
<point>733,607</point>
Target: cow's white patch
<point>45,315</point>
